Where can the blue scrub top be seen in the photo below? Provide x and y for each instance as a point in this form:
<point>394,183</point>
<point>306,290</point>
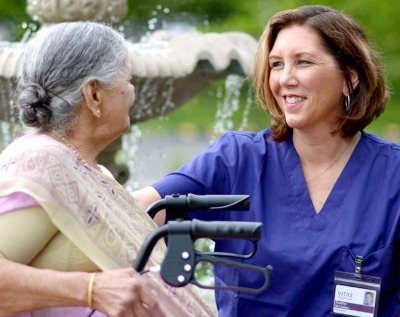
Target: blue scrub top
<point>361,217</point>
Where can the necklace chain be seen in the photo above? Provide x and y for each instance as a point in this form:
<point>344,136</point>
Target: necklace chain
<point>335,160</point>
<point>73,148</point>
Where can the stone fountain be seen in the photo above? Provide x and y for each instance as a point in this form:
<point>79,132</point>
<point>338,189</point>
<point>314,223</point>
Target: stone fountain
<point>168,69</point>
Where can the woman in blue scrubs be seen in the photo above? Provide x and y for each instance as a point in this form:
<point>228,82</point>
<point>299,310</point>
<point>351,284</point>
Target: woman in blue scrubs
<point>326,191</point>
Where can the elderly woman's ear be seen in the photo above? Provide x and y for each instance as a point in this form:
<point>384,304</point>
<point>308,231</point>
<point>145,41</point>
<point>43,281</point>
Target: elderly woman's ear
<point>93,95</point>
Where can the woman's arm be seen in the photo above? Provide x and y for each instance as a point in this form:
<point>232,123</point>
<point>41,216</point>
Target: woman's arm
<point>24,288</point>
<point>23,234</point>
<point>145,197</point>
<point>121,292</point>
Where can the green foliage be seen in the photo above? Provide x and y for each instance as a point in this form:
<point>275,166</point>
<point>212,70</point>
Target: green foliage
<point>14,15</point>
<point>12,10</point>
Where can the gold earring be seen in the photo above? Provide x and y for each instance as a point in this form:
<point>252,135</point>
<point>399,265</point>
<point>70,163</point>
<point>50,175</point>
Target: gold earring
<point>98,112</point>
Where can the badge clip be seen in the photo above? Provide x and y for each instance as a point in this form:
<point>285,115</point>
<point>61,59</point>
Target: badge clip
<point>358,261</point>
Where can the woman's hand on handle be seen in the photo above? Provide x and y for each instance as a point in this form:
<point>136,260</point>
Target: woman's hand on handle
<point>125,293</point>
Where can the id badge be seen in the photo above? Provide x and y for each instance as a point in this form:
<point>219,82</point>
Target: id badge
<point>356,295</point>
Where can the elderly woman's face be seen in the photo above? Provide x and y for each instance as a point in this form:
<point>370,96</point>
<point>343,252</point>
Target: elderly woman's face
<point>305,80</point>
<point>119,98</point>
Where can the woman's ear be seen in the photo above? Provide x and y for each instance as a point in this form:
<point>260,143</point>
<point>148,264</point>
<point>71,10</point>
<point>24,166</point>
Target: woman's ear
<point>354,80</point>
<point>93,95</point>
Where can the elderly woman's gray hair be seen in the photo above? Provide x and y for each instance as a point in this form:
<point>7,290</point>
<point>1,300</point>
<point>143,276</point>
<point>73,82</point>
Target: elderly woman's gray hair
<point>58,63</point>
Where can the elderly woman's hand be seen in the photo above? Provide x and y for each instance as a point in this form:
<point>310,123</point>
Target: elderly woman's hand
<point>125,293</point>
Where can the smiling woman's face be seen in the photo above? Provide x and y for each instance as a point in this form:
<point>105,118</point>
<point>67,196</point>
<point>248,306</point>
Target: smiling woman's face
<point>305,79</point>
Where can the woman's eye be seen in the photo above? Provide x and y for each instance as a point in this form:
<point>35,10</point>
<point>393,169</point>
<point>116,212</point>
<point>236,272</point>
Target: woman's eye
<point>304,62</point>
<point>276,64</point>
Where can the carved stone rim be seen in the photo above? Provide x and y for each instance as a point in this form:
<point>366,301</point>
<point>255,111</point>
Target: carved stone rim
<point>56,11</point>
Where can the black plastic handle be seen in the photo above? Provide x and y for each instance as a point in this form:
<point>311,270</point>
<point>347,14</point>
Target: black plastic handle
<point>218,202</point>
<point>226,229</point>
<point>196,229</point>
<point>147,247</point>
<point>177,206</point>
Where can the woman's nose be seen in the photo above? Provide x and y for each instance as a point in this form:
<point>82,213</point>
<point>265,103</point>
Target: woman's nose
<point>288,77</point>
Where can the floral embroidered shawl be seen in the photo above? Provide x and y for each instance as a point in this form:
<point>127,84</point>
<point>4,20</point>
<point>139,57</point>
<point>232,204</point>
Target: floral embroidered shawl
<point>91,209</point>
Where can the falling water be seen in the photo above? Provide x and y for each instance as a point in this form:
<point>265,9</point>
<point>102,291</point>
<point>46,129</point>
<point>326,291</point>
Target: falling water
<point>130,147</point>
<point>150,155</point>
<point>247,107</point>
<point>227,104</point>
<point>9,128</point>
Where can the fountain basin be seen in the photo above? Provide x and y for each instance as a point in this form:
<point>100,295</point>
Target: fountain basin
<point>166,73</point>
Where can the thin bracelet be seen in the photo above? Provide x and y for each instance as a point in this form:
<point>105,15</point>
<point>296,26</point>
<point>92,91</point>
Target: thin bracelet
<point>90,291</point>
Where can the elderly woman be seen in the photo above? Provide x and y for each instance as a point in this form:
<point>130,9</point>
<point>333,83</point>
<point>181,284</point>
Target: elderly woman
<point>59,209</point>
<point>327,192</point>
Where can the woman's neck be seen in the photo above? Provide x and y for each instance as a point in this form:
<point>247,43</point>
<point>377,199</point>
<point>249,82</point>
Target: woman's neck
<point>84,149</point>
<point>323,151</point>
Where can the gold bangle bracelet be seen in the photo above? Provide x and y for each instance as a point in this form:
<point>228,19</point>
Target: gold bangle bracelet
<point>90,291</point>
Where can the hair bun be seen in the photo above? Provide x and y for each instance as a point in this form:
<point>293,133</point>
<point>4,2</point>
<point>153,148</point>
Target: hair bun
<point>34,101</point>
<point>42,96</point>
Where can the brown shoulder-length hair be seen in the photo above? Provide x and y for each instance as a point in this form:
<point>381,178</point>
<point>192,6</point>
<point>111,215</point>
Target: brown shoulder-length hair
<point>346,40</point>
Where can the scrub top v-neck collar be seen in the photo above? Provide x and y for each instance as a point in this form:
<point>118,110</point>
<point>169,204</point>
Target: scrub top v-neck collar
<point>333,205</point>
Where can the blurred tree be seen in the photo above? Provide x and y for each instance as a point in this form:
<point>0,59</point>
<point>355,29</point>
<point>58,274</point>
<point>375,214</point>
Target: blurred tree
<point>12,10</point>
<point>12,16</point>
